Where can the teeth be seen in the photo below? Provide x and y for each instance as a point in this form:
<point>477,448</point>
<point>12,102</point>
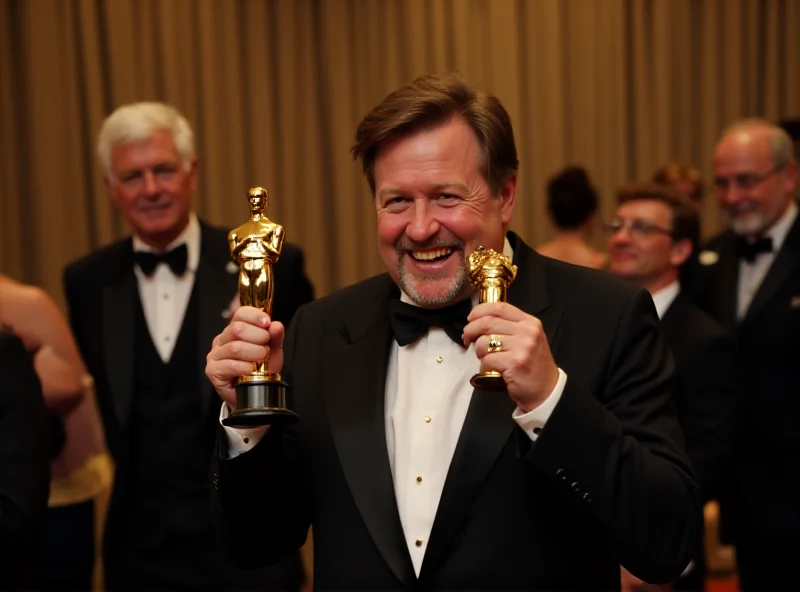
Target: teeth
<point>429,255</point>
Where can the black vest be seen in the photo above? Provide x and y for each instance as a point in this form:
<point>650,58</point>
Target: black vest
<point>170,446</point>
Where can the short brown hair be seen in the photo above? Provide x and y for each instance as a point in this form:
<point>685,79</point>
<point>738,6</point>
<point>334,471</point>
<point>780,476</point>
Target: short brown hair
<point>674,172</point>
<point>685,221</point>
<point>430,101</point>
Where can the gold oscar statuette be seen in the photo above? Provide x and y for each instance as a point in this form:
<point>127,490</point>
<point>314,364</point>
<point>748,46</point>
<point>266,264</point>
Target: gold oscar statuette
<point>492,273</point>
<point>255,247</point>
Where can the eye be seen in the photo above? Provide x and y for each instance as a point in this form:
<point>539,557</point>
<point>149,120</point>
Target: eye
<point>447,198</point>
<point>396,203</point>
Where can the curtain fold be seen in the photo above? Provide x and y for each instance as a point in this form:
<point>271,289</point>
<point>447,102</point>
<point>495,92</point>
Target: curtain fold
<point>275,88</point>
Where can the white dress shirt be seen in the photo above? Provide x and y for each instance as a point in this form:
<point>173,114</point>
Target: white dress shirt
<point>164,295</point>
<point>752,274</point>
<point>664,298</point>
<point>427,397</point>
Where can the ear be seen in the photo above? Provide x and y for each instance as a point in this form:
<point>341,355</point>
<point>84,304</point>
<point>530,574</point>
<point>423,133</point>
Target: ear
<point>790,178</point>
<point>508,197</point>
<point>680,252</point>
<point>193,166</point>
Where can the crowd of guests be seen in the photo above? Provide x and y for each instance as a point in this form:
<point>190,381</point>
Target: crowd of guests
<point>120,381</point>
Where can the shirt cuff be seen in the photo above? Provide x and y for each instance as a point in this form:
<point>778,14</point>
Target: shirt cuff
<point>532,422</point>
<point>240,440</point>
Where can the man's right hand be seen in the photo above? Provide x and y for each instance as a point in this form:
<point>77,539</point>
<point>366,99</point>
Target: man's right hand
<point>249,338</point>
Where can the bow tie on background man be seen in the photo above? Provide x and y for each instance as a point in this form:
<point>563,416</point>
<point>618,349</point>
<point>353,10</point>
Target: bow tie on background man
<point>176,259</point>
<point>750,250</point>
<point>410,322</point>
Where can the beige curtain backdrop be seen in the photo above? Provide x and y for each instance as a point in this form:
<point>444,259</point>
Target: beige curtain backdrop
<point>275,89</point>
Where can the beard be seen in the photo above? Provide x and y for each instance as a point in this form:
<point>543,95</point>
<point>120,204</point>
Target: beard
<point>752,223</point>
<point>450,285</point>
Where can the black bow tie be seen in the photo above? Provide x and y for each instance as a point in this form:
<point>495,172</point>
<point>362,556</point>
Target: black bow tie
<point>749,251</point>
<point>409,322</point>
<point>176,259</point>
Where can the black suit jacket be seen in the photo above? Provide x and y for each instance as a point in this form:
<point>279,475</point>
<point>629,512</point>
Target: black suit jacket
<point>706,391</point>
<point>607,481</point>
<point>765,503</point>
<point>708,403</point>
<point>101,295</point>
<point>24,464</point>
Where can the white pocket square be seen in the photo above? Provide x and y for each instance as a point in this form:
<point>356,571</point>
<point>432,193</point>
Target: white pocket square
<point>231,267</point>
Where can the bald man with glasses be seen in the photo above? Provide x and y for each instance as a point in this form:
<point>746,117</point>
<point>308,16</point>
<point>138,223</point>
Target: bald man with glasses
<point>748,278</point>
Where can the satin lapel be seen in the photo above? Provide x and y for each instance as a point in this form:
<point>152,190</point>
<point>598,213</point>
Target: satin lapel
<point>727,284</point>
<point>214,289</point>
<point>357,367</point>
<point>785,263</point>
<point>488,425</point>
<point>118,310</point>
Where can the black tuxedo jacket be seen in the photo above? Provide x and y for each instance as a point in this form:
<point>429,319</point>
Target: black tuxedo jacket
<point>765,503</point>
<point>607,481</point>
<point>101,295</point>
<point>24,464</point>
<point>706,391</point>
<point>708,403</point>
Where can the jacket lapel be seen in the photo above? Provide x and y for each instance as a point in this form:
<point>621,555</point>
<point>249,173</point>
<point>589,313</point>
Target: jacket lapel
<point>356,410</point>
<point>786,261</point>
<point>488,425</point>
<point>118,310</point>
<point>215,288</point>
<point>727,289</point>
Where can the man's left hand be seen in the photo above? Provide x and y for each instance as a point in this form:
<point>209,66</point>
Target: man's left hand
<point>523,358</point>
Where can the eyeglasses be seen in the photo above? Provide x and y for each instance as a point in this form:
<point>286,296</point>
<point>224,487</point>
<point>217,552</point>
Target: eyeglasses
<point>637,228</point>
<point>745,181</point>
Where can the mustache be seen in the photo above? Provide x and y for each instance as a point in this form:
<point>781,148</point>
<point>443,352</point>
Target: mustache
<point>406,244</point>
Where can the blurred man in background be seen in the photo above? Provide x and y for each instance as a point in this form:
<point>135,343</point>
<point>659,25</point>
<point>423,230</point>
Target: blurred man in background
<point>654,232</point>
<point>748,278</point>
<point>144,311</point>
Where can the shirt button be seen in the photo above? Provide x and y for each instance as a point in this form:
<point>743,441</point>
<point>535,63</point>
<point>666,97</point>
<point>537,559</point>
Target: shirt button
<point>419,478</point>
<point>166,296</point>
<point>439,359</point>
<point>166,339</point>
<point>418,542</point>
<point>428,419</point>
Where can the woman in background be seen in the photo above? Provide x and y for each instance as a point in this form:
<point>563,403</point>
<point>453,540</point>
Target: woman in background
<point>79,467</point>
<point>572,204</point>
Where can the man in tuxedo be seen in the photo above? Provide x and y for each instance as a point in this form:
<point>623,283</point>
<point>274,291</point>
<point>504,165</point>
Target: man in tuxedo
<point>24,464</point>
<point>653,234</point>
<point>748,278</point>
<point>412,479</point>
<point>144,311</point>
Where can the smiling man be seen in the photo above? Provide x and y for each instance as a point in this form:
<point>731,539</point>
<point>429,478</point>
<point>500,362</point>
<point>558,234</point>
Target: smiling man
<point>748,278</point>
<point>144,311</point>
<point>412,479</point>
<point>653,234</point>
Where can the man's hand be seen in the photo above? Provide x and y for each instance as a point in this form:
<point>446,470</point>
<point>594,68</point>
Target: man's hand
<point>249,338</point>
<point>524,358</point>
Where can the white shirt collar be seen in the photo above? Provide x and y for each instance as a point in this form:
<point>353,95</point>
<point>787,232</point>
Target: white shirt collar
<point>508,251</point>
<point>190,236</point>
<point>665,296</point>
<point>781,228</point>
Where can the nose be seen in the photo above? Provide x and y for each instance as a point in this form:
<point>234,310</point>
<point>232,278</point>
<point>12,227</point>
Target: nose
<point>150,184</point>
<point>732,195</point>
<point>423,224</point>
<point>620,237</point>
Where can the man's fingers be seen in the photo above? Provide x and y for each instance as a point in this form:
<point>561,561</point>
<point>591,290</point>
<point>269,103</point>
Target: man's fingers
<point>277,333</point>
<point>238,351</point>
